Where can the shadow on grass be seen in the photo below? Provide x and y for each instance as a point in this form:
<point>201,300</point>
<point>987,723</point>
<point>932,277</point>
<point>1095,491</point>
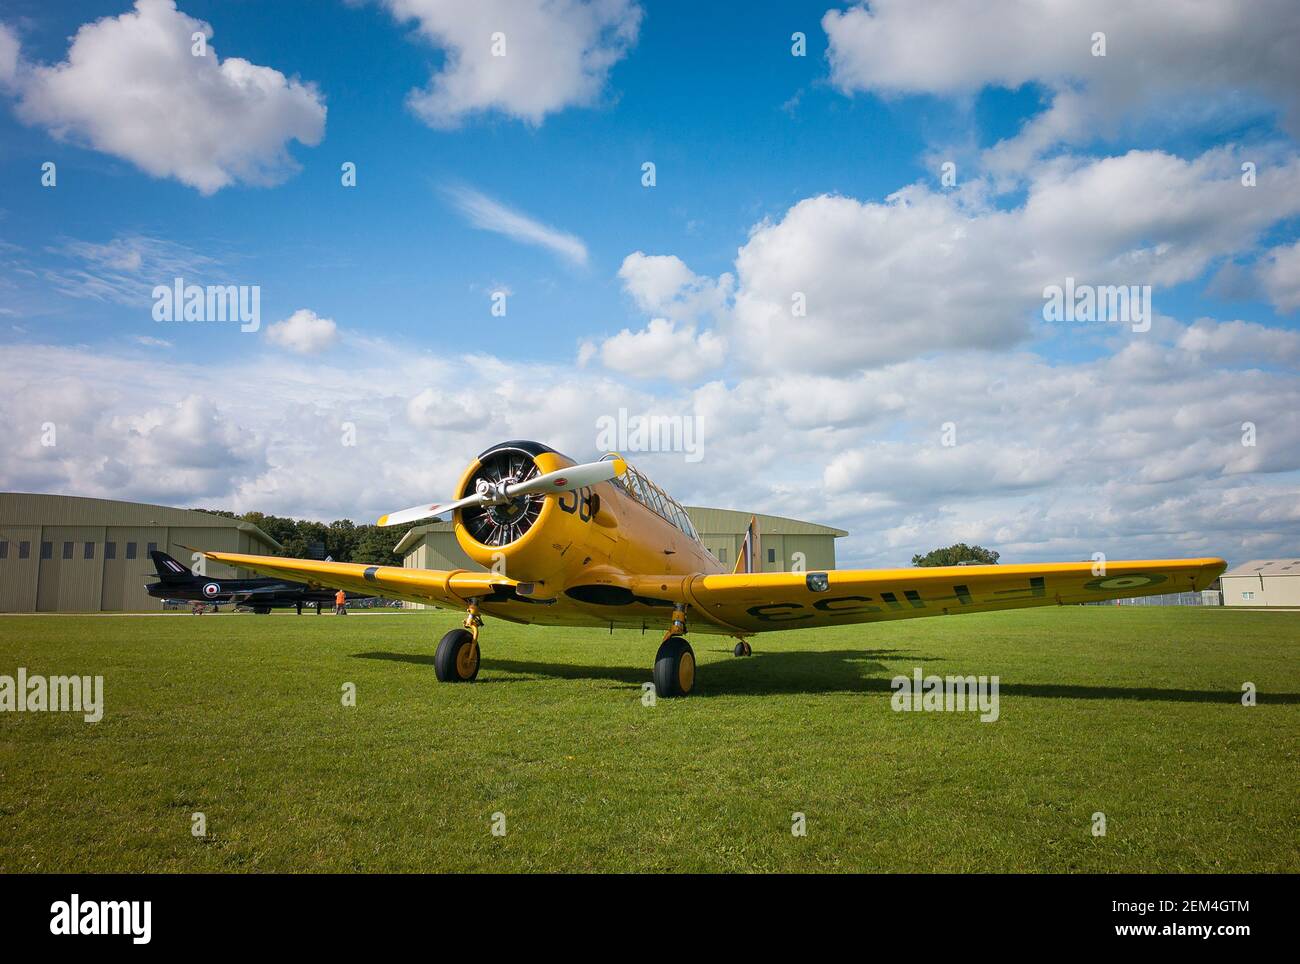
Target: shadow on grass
<point>827,671</point>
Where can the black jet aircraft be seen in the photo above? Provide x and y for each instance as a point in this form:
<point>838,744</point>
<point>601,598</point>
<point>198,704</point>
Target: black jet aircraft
<point>176,581</point>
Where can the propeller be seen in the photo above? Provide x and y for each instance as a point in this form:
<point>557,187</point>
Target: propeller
<point>498,493</point>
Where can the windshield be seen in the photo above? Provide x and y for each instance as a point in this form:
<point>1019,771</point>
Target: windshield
<point>640,488</point>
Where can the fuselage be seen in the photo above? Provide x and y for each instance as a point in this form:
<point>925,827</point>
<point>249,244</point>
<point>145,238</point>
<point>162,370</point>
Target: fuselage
<point>251,592</point>
<point>585,545</point>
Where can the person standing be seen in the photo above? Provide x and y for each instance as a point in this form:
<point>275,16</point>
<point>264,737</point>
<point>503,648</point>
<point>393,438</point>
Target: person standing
<point>340,603</point>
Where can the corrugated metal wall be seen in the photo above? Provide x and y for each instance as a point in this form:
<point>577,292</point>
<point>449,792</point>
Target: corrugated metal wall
<point>1264,591</point>
<point>89,555</point>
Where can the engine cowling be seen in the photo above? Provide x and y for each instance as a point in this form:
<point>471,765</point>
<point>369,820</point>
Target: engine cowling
<point>509,538</point>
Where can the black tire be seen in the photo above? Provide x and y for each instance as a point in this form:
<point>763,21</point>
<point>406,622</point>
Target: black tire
<point>740,649</point>
<point>674,668</point>
<point>263,611</point>
<point>456,659</point>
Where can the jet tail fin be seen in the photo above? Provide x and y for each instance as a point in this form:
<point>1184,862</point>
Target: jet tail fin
<point>169,570</point>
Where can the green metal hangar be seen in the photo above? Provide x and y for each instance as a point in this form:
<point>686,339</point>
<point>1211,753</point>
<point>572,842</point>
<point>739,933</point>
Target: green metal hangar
<point>785,544</point>
<point>62,553</point>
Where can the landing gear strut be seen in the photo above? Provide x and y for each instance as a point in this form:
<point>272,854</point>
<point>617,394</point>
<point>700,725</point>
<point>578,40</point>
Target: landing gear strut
<point>675,662</point>
<point>456,658</point>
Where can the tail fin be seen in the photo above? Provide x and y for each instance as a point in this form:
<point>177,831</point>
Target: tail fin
<point>749,558</point>
<point>169,570</point>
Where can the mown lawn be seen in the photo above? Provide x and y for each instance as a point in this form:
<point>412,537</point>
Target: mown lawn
<point>1131,712</point>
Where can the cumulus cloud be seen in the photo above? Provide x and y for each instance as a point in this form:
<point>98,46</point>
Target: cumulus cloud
<point>557,53</point>
<point>672,344</point>
<point>1242,341</point>
<point>490,215</point>
<point>1163,58</point>
<point>304,332</point>
<point>460,411</point>
<point>1139,453</point>
<point>131,87</point>
<point>659,350</point>
<point>922,271</point>
<point>1279,272</point>
<point>664,285</point>
<point>837,284</point>
<point>9,51</point>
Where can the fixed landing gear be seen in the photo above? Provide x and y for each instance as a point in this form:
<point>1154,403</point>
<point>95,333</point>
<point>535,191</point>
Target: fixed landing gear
<point>743,649</point>
<point>674,667</point>
<point>675,662</point>
<point>456,658</point>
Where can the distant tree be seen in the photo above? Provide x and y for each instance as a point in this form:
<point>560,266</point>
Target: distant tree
<point>957,554</point>
<point>344,540</point>
<point>375,545</point>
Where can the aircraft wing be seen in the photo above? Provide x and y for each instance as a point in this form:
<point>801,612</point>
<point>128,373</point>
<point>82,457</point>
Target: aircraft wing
<point>452,589</point>
<point>757,602</point>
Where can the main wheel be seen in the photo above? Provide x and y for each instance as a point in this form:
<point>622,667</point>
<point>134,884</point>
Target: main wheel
<point>675,668</point>
<point>456,659</point>
<point>742,649</point>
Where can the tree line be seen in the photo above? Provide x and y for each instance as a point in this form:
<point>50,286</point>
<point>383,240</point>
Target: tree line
<point>341,540</point>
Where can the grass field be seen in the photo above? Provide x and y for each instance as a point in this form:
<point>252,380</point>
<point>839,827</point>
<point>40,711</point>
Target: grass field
<point>1133,712</point>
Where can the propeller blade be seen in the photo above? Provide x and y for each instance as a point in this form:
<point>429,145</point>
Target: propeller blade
<point>566,480</point>
<point>427,511</point>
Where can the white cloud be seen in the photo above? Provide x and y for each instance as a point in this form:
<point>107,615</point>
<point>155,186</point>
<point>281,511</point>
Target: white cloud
<point>304,332</point>
<point>131,87</point>
<point>489,215</point>
<point>1137,454</point>
<point>1163,58</point>
<point>1279,272</point>
<point>924,271</point>
<point>9,49</point>
<point>558,53</point>
<point>660,350</point>
<point>664,285</point>
<point>1241,341</point>
<point>435,409</point>
<point>671,345</point>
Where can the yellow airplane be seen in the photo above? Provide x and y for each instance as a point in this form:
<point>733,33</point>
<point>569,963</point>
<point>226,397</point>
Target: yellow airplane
<point>599,544</point>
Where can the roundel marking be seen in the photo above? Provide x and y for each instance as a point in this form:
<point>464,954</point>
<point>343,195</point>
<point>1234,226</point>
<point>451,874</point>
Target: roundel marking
<point>211,589</point>
<point>1125,582</point>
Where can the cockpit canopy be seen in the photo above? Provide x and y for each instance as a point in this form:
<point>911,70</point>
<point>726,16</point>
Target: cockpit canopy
<point>640,488</point>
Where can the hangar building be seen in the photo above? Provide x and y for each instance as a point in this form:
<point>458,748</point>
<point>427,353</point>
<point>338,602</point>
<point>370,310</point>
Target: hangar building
<point>434,546</point>
<point>1263,582</point>
<point>62,553</point>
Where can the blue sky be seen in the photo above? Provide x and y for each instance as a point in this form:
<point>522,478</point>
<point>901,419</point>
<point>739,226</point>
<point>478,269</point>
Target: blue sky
<point>774,173</point>
<point>704,104</point>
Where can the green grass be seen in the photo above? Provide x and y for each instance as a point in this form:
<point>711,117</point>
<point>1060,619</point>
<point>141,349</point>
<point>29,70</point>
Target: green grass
<point>1134,712</point>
